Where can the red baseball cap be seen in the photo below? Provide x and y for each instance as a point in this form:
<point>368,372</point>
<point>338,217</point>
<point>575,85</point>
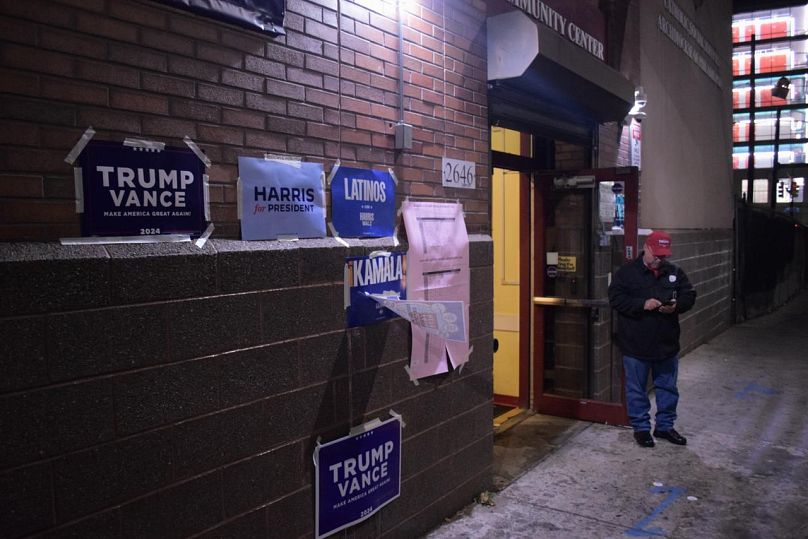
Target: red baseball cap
<point>659,242</point>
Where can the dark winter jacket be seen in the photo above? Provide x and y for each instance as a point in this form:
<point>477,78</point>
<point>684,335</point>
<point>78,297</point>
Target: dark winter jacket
<point>649,335</point>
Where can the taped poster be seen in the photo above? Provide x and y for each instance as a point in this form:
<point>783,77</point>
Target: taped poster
<point>131,191</point>
<point>357,475</point>
<point>440,318</point>
<point>383,274</point>
<point>281,199</point>
<point>438,270</point>
<point>363,202</point>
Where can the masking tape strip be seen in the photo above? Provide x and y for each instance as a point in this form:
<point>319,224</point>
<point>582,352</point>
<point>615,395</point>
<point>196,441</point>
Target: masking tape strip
<point>291,160</point>
<point>88,134</point>
<point>157,238</point>
<point>374,254</point>
<point>409,373</point>
<point>333,171</point>
<point>395,414</point>
<point>325,206</point>
<point>288,237</point>
<point>78,182</point>
<point>194,148</point>
<point>206,194</point>
<point>395,237</point>
<point>317,447</point>
<point>336,235</point>
<point>142,144</point>
<point>392,175</point>
<point>238,198</point>
<point>364,427</point>
<point>200,242</point>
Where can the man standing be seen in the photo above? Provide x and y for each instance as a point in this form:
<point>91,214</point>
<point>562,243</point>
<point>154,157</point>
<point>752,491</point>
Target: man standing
<point>648,295</point>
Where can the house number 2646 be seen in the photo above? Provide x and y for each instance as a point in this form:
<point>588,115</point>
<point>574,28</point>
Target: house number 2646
<point>456,173</point>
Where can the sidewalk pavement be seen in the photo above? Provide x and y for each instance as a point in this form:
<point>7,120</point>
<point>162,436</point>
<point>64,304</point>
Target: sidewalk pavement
<point>743,473</point>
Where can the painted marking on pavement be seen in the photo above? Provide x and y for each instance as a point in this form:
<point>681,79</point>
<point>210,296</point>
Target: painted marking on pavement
<point>754,388</point>
<point>640,529</point>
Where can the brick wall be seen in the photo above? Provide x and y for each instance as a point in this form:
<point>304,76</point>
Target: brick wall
<point>325,91</point>
<point>164,391</point>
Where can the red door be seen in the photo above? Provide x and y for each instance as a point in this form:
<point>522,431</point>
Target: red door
<point>584,228</point>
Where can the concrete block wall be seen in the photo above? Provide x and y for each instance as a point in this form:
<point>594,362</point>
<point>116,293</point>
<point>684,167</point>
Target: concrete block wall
<point>165,391</point>
<point>706,256</point>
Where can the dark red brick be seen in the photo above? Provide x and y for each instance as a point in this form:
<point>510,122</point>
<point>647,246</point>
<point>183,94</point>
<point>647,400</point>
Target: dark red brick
<point>61,90</point>
<point>168,85</point>
<point>195,110</point>
<point>21,186</point>
<point>18,133</point>
<point>265,67</point>
<point>271,104</point>
<point>18,31</point>
<point>139,101</point>
<point>218,94</point>
<point>139,14</point>
<point>249,119</point>
<point>72,43</point>
<point>166,41</point>
<point>224,135</point>
<point>108,73</point>
<point>24,57</point>
<point>220,55</point>
<point>37,211</point>
<point>266,141</point>
<point>138,56</point>
<point>90,23</point>
<point>190,27</point>
<point>193,69</point>
<point>284,55</point>
<point>242,80</point>
<point>109,119</point>
<point>38,111</point>
<point>168,127</point>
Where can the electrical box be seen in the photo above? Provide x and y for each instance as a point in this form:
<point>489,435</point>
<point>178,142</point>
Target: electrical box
<point>403,136</point>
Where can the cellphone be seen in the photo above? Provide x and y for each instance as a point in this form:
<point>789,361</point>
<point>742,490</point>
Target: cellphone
<point>670,302</point>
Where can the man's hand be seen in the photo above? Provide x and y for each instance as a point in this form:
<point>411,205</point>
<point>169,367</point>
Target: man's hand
<point>652,304</point>
<point>668,309</point>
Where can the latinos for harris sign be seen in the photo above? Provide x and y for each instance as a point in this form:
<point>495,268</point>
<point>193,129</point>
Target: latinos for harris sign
<point>281,199</point>
<point>132,191</point>
<point>357,475</point>
<point>363,202</point>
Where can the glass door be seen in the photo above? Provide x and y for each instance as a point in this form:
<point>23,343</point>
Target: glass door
<point>584,228</point>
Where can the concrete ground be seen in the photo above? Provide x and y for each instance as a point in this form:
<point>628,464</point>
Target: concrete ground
<point>743,473</point>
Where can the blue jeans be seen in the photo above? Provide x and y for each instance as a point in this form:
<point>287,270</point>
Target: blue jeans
<point>667,396</point>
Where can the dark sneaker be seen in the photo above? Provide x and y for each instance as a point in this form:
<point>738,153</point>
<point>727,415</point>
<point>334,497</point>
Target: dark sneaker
<point>644,438</point>
<point>672,436</point>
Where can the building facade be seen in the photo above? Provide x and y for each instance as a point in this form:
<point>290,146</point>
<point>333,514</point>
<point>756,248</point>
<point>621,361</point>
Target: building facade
<point>168,390</point>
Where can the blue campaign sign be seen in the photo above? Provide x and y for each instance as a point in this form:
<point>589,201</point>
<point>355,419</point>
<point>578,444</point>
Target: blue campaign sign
<point>356,476</point>
<point>363,203</point>
<point>281,198</point>
<point>383,274</point>
<point>133,192</point>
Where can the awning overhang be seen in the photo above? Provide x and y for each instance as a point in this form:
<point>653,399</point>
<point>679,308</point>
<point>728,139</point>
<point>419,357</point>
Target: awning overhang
<point>531,59</point>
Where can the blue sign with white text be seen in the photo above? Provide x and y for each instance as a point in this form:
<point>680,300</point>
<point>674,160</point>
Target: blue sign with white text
<point>134,192</point>
<point>281,198</point>
<point>383,274</point>
<point>363,203</point>
<point>356,476</point>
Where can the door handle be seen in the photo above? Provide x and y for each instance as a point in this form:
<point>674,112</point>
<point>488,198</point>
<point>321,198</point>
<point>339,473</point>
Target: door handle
<point>547,301</point>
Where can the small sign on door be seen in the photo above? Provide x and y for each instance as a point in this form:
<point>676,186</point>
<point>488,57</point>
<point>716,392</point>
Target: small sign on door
<point>567,264</point>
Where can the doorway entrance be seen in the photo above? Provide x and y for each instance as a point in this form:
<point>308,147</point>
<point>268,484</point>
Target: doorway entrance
<point>558,236</point>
